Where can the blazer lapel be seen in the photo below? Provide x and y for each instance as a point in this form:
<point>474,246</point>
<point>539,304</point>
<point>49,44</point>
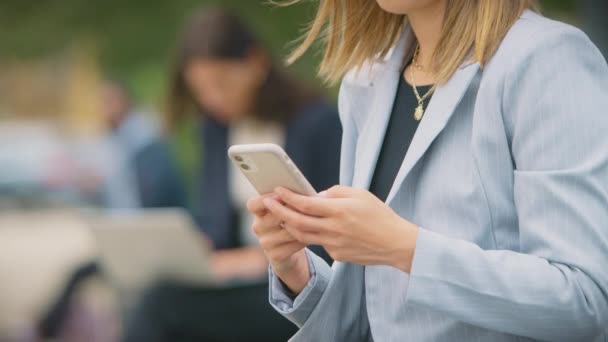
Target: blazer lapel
<point>440,109</point>
<point>385,85</point>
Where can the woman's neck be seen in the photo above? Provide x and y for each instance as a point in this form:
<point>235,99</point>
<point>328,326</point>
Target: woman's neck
<point>427,24</point>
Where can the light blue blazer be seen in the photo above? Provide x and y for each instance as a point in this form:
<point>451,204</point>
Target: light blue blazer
<point>507,176</point>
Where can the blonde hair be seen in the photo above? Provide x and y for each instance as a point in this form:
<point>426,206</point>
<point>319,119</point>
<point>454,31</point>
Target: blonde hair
<point>356,31</point>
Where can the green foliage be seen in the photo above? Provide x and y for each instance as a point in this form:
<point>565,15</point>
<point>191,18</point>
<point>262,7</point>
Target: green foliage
<point>135,38</point>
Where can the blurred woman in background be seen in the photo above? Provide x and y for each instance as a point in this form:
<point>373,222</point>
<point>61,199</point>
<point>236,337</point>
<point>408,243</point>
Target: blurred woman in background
<point>223,73</point>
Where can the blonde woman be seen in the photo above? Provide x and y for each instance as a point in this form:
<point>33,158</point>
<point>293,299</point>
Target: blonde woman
<point>474,196</point>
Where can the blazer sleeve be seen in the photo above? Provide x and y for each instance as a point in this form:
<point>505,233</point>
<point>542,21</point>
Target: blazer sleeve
<point>299,309</point>
<point>555,287</point>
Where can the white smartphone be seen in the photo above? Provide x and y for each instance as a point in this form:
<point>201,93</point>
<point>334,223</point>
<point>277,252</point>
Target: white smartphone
<point>267,167</point>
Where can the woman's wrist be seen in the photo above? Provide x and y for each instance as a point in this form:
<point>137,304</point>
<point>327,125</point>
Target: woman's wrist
<point>296,276</point>
<point>405,246</point>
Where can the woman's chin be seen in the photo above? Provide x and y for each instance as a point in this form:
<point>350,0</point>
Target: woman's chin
<point>226,117</point>
<point>403,6</point>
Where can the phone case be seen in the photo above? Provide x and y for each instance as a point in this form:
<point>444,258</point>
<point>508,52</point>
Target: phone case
<point>267,167</point>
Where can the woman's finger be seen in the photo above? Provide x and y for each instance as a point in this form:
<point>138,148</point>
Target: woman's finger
<point>271,221</point>
<point>293,218</point>
<point>256,205</point>
<point>340,191</point>
<point>309,205</point>
<point>265,224</point>
<point>276,238</point>
<point>285,250</point>
<point>306,237</point>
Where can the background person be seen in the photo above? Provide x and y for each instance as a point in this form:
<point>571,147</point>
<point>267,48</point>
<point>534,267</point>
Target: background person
<point>144,164</point>
<point>225,75</point>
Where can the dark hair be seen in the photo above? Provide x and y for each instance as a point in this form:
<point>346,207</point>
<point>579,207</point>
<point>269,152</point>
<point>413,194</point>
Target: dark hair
<point>218,33</point>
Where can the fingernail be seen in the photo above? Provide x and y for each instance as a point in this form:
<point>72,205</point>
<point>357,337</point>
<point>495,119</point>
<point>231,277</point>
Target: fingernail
<point>323,194</point>
<point>268,202</point>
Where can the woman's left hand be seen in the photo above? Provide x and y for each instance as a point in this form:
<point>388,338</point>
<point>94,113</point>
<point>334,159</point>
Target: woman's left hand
<point>352,224</point>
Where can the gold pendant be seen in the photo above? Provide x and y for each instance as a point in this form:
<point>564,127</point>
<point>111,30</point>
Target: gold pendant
<point>419,112</point>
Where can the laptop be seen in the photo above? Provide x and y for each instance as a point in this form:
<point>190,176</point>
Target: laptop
<point>136,249</point>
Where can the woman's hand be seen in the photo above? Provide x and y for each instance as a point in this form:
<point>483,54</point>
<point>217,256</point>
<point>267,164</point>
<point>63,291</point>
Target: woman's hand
<point>284,252</point>
<point>353,225</point>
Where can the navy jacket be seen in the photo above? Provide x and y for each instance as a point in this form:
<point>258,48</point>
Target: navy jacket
<point>313,139</point>
<point>158,180</point>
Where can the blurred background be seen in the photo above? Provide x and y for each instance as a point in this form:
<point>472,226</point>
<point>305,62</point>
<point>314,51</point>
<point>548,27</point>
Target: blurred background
<point>68,71</point>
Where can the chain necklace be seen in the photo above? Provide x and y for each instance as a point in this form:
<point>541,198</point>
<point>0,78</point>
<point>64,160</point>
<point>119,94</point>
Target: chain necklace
<point>419,112</point>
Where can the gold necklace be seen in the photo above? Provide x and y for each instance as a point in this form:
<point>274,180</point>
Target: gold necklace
<point>419,112</point>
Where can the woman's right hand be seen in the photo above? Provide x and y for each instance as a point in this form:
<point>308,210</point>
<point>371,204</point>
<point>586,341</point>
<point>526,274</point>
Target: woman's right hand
<point>284,252</point>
